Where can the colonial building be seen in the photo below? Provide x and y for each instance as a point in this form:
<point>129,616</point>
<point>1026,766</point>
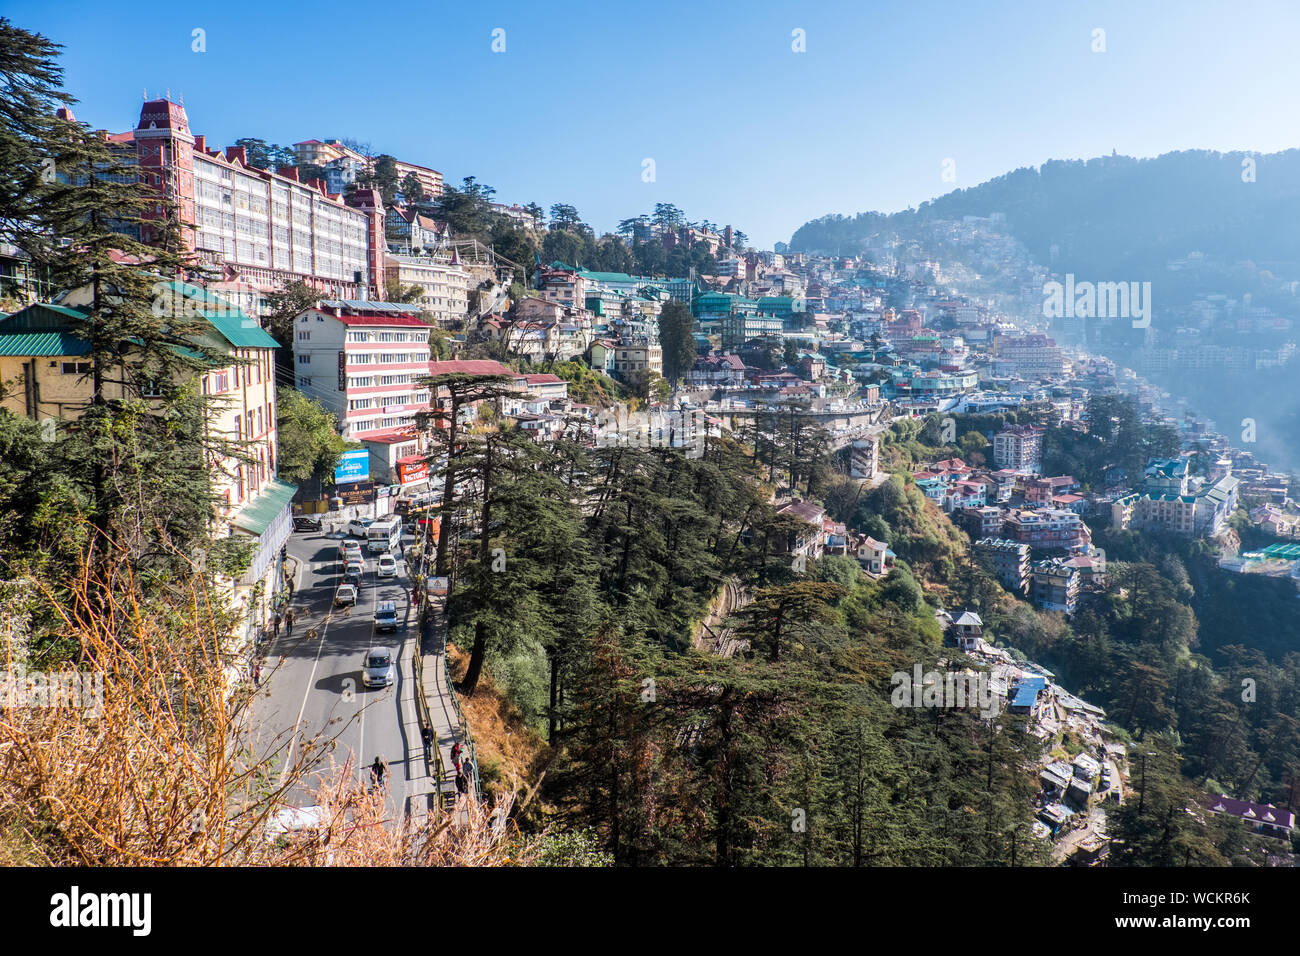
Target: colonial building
<point>46,358</point>
<point>264,226</point>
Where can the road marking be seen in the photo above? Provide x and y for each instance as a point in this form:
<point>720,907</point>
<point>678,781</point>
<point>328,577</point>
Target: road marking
<point>320,644</point>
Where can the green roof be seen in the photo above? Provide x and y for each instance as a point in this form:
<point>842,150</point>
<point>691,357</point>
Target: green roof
<point>42,343</point>
<point>607,276</point>
<point>230,321</point>
<point>43,317</point>
<point>43,329</point>
<point>256,516</point>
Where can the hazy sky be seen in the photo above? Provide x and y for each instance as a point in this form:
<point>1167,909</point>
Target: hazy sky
<point>741,128</point>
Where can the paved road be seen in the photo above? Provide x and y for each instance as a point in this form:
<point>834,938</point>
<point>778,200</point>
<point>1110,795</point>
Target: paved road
<point>312,700</point>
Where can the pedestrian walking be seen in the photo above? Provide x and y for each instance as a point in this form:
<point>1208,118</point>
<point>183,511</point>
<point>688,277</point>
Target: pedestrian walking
<point>288,622</point>
<point>455,756</point>
<point>277,623</point>
<point>257,673</point>
<point>462,785</point>
<point>427,734</point>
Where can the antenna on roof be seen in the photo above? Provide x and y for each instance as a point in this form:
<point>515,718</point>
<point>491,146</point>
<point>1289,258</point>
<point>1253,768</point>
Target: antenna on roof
<point>144,90</point>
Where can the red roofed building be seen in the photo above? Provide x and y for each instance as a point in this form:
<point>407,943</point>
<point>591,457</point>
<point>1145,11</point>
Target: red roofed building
<point>365,362</point>
<point>266,226</point>
<point>547,386</point>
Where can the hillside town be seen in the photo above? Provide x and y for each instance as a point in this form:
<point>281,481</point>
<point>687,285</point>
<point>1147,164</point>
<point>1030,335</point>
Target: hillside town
<point>873,359</point>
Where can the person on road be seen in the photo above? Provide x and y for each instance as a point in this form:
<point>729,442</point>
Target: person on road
<point>427,734</point>
<point>462,785</point>
<point>288,622</point>
<point>455,756</point>
<point>277,623</point>
<point>377,770</point>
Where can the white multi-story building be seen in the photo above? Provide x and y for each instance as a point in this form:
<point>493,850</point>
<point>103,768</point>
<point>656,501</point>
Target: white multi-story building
<point>364,361</point>
<point>1018,447</point>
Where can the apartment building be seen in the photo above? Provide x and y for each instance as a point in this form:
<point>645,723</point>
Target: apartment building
<point>364,361</point>
<point>809,540</point>
<point>1032,356</point>
<point>982,522</point>
<point>638,355</point>
<point>1019,448</point>
<point>1168,501</point>
<point>1054,585</point>
<point>1009,561</point>
<point>430,179</point>
<point>1047,529</point>
<point>317,152</point>
<point>443,283</point>
<point>564,286</point>
<point>267,227</point>
<point>518,213</point>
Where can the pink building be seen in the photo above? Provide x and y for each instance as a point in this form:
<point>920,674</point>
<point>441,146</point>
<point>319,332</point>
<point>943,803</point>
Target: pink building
<point>263,227</point>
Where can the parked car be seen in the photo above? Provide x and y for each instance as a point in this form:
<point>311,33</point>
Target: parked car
<point>306,523</point>
<point>377,669</point>
<point>386,616</point>
<point>358,527</point>
<point>387,566</point>
<point>345,596</point>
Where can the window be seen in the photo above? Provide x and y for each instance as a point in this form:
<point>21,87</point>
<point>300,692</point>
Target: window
<point>304,358</point>
<point>304,336</point>
<point>151,389</point>
<point>76,368</point>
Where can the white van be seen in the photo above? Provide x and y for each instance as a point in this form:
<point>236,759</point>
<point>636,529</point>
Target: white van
<point>384,534</point>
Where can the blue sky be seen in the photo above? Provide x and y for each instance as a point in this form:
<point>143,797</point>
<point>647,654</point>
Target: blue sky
<point>742,129</point>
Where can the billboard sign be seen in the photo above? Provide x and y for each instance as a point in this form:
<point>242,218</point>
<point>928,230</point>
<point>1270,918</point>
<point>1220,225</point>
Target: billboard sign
<point>352,466</point>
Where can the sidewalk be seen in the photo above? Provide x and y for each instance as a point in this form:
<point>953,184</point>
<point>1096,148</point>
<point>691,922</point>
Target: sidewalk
<point>442,711</point>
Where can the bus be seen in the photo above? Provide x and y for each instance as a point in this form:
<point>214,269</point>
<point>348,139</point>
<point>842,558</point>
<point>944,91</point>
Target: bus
<point>384,535</point>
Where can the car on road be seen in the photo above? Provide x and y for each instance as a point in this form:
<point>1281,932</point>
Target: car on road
<point>377,668</point>
<point>386,616</point>
<point>345,596</point>
<point>305,523</point>
<point>352,548</point>
<point>387,567</point>
<point>359,527</point>
<point>352,573</point>
<point>289,823</point>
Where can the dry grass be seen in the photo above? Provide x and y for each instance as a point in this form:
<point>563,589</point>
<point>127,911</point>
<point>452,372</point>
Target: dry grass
<point>165,774</point>
<point>500,735</point>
